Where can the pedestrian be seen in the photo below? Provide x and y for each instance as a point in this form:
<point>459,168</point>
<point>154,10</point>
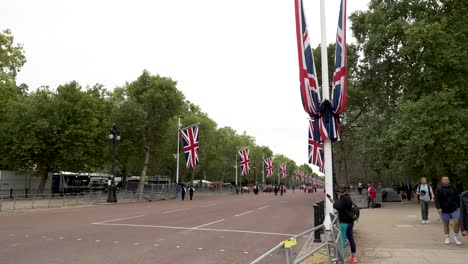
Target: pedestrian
<point>448,205</point>
<point>191,190</point>
<point>359,188</point>
<point>371,194</point>
<point>425,197</point>
<point>183,191</point>
<point>275,190</point>
<point>464,213</point>
<point>344,206</point>
<point>281,190</point>
<point>409,190</point>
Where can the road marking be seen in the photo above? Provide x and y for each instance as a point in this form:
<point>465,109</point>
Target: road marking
<point>79,239</point>
<point>200,248</point>
<point>222,250</point>
<point>97,240</point>
<point>118,219</point>
<point>178,210</point>
<point>156,245</point>
<point>214,222</point>
<point>208,205</point>
<point>199,229</point>
<point>248,212</point>
<point>177,246</point>
<point>263,207</point>
<point>246,252</point>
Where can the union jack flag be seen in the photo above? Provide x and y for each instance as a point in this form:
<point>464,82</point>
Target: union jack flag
<point>269,167</point>
<point>307,75</point>
<point>284,170</point>
<point>314,144</point>
<point>191,145</point>
<point>339,76</point>
<point>321,161</point>
<point>244,161</point>
<point>329,125</point>
<point>297,174</point>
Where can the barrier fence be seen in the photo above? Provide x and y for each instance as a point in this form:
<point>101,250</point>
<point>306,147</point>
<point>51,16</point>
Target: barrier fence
<point>289,251</point>
<point>14,199</point>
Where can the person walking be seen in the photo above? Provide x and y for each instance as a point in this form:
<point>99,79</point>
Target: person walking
<point>371,194</point>
<point>191,190</point>
<point>183,191</point>
<point>425,197</point>
<point>344,206</point>
<point>464,213</point>
<point>448,205</point>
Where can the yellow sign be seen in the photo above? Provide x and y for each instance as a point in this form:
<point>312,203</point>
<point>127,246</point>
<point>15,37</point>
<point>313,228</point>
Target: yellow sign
<point>290,243</point>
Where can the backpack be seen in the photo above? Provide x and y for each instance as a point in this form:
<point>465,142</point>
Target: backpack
<point>355,212</point>
<point>429,188</point>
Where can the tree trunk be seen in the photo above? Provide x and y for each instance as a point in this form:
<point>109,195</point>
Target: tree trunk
<point>141,184</point>
<point>44,177</point>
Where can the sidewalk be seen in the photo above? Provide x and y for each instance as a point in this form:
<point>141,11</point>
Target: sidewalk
<point>394,234</point>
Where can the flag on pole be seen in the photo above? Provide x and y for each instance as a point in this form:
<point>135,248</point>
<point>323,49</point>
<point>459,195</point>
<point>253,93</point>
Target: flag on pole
<point>269,167</point>
<point>244,161</point>
<point>339,85</point>
<point>307,75</point>
<point>284,171</point>
<point>191,145</point>
<point>329,125</point>
<point>314,142</point>
<point>297,174</point>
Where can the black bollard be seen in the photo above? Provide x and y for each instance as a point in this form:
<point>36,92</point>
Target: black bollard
<point>321,204</point>
<point>11,193</point>
<point>26,193</point>
<point>317,223</point>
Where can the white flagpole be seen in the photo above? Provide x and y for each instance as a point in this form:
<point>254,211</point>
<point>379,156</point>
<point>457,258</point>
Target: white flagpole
<point>326,96</point>
<point>178,150</point>
<point>236,169</point>
<point>263,168</point>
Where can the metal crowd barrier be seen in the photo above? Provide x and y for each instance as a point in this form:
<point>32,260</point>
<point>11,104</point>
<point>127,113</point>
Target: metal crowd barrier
<point>332,242</point>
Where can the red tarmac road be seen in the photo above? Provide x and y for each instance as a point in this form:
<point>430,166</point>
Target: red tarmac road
<point>217,229</point>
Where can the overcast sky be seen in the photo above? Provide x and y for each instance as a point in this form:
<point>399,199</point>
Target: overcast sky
<point>236,59</point>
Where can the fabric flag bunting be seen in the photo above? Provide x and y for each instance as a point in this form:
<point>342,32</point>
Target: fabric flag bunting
<point>269,167</point>
<point>297,174</point>
<point>314,143</point>
<point>307,75</point>
<point>329,125</point>
<point>326,113</point>
<point>191,145</point>
<point>244,161</point>
<point>284,171</point>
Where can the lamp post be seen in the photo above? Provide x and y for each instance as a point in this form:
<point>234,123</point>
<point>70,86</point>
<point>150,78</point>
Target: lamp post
<point>255,174</point>
<point>114,136</point>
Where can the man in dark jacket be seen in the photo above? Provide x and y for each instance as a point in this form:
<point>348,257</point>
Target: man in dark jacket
<point>448,205</point>
<point>464,213</point>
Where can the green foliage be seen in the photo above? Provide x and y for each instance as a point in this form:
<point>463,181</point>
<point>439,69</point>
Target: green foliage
<point>412,79</point>
<point>11,60</point>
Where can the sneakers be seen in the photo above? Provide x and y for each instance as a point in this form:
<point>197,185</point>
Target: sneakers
<point>353,260</point>
<point>447,240</point>
<point>427,222</point>
<point>424,222</point>
<point>455,238</point>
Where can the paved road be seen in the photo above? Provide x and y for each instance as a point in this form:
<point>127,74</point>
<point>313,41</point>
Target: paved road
<point>222,229</point>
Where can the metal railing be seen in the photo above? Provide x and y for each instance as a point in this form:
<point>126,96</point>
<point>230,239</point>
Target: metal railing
<point>16,200</point>
<point>288,247</point>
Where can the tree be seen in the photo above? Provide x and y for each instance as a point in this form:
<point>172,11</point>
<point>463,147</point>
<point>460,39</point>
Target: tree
<point>144,108</point>
<point>11,60</point>
<point>57,130</point>
<point>412,51</point>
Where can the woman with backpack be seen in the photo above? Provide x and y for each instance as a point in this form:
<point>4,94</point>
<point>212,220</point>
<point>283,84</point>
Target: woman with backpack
<point>344,206</point>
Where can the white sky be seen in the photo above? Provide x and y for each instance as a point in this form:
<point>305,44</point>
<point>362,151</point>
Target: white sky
<point>236,59</point>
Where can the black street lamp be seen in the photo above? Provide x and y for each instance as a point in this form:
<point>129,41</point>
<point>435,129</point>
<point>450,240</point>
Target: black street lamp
<point>255,174</point>
<point>114,136</point>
